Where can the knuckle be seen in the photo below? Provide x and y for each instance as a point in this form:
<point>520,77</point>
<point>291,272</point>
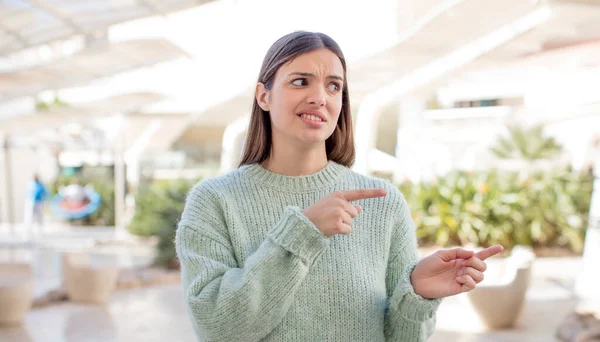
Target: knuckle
<point>341,228</point>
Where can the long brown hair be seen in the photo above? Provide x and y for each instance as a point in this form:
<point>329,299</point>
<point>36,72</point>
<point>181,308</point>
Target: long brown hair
<point>340,145</point>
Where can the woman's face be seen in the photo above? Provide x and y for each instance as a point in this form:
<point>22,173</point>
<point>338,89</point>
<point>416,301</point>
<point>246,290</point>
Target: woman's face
<point>305,100</point>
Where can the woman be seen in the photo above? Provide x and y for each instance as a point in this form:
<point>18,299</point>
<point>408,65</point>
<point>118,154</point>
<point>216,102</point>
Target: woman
<point>293,245</point>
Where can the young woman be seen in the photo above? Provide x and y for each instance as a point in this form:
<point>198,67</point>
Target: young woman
<point>295,246</point>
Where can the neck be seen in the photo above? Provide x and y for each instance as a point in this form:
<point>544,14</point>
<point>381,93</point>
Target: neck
<point>296,162</point>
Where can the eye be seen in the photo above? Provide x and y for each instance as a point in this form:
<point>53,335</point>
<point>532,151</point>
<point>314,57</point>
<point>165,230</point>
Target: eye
<point>299,82</point>
<point>334,87</point>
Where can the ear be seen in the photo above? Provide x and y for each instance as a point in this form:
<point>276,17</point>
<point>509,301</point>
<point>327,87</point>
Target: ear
<point>262,96</point>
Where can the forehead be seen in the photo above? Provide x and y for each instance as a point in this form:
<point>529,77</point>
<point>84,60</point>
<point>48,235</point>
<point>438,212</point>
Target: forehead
<point>321,62</point>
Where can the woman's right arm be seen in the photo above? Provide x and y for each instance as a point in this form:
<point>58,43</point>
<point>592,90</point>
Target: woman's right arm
<point>232,303</point>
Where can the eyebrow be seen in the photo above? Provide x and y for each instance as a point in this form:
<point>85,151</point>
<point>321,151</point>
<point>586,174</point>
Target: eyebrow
<point>308,74</point>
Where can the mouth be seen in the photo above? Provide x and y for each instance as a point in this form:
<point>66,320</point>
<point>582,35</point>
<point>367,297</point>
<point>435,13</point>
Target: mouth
<point>312,115</point>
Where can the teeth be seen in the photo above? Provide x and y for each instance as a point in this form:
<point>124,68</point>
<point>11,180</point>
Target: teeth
<point>311,117</point>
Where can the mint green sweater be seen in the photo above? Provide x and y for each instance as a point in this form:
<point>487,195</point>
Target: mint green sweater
<point>254,268</point>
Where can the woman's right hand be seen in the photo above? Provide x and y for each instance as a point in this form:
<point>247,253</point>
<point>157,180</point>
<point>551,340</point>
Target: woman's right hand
<point>333,214</point>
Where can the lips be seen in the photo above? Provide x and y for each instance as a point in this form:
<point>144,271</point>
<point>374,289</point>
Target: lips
<point>313,112</point>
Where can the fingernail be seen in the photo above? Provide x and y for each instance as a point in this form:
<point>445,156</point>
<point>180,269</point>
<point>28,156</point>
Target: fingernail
<point>461,271</point>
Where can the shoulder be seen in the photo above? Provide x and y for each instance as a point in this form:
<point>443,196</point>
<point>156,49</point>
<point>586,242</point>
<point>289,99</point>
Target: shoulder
<point>215,187</point>
<point>216,194</point>
<point>208,195</point>
<point>206,206</point>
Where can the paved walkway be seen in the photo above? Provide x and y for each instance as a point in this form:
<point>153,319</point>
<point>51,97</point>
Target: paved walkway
<point>150,314</point>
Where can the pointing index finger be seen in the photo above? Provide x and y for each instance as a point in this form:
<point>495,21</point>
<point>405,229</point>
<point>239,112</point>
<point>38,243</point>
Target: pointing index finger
<point>354,195</point>
<point>488,252</point>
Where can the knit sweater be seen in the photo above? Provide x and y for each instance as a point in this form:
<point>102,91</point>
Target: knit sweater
<point>254,268</point>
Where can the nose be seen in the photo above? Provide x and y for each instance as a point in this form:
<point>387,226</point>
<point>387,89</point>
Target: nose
<point>317,96</point>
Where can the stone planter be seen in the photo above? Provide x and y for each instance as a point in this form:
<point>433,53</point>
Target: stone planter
<point>499,301</point>
<point>16,292</point>
<point>86,281</point>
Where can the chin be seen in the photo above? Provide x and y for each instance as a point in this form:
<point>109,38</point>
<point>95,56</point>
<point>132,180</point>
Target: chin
<point>314,140</point>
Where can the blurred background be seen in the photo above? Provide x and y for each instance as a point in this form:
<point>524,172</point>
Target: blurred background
<point>485,113</point>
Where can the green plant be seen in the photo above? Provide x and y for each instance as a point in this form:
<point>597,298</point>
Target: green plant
<point>44,106</point>
<point>528,207</point>
<point>105,215</point>
<point>544,210</point>
<point>528,144</point>
<point>158,208</point>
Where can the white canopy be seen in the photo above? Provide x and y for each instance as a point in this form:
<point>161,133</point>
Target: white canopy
<point>91,63</point>
<point>27,23</point>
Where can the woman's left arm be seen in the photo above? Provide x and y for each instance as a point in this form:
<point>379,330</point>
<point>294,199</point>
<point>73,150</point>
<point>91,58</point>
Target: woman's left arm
<point>409,316</point>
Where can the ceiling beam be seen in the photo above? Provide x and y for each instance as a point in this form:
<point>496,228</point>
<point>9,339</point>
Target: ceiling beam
<point>151,7</point>
<point>14,34</point>
<point>53,11</point>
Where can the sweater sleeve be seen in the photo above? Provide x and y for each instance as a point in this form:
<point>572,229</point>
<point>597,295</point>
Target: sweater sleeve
<point>231,303</point>
<point>409,317</point>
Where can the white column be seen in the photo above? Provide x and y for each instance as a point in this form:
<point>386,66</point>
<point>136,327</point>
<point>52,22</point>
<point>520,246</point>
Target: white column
<point>407,141</point>
<point>233,144</point>
<point>132,155</point>
<point>120,179</point>
<point>6,183</point>
<point>588,282</point>
<point>365,131</point>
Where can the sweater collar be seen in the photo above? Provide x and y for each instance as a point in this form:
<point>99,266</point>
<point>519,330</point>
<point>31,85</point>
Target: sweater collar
<point>321,179</point>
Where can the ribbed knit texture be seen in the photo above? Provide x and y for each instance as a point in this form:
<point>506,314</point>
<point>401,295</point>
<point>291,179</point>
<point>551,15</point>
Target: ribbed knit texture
<point>254,268</point>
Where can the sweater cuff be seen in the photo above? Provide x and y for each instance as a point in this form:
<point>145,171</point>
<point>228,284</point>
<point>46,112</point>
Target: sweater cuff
<point>297,234</point>
<point>417,308</point>
<point>413,306</point>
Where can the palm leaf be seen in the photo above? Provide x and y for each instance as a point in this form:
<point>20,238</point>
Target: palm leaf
<point>528,144</point>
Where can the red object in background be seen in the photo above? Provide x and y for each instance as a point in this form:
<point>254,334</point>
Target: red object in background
<point>72,205</point>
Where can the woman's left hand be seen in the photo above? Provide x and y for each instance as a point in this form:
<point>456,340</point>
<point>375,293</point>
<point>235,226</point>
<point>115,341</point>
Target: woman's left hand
<point>450,272</point>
